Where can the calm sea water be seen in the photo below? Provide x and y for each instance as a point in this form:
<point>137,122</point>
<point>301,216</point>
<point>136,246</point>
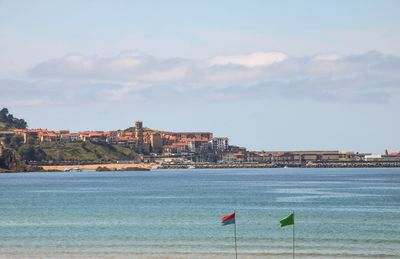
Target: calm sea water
<point>339,212</point>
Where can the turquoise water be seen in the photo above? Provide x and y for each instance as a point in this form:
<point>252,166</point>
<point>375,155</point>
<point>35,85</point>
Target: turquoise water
<point>339,212</point>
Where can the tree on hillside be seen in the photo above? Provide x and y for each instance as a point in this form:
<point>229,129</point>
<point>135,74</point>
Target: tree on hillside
<point>11,122</point>
<point>14,141</point>
<point>31,153</point>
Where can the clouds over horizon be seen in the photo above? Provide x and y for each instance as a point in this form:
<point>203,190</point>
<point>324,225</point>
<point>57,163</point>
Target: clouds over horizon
<point>367,77</point>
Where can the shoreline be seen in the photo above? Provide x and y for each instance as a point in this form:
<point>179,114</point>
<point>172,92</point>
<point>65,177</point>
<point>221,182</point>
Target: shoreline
<point>146,166</point>
<point>111,167</point>
<point>248,165</point>
<point>195,255</point>
<point>359,164</point>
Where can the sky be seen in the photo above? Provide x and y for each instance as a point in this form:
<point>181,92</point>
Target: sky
<point>270,75</point>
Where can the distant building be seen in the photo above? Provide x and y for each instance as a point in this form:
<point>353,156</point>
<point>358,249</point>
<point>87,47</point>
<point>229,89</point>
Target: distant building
<point>49,137</point>
<point>127,141</point>
<point>304,156</point>
<point>139,136</point>
<point>387,157</point>
<point>156,143</point>
<point>30,136</point>
<point>220,144</point>
<point>175,148</point>
<point>233,157</point>
<point>93,136</point>
<point>205,147</point>
<point>177,136</point>
<point>373,158</point>
<point>69,137</point>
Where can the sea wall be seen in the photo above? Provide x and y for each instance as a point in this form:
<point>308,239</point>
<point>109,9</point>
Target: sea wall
<point>354,164</point>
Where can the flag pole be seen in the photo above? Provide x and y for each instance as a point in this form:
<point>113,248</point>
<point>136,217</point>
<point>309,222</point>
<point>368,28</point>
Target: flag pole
<point>293,233</point>
<point>235,234</point>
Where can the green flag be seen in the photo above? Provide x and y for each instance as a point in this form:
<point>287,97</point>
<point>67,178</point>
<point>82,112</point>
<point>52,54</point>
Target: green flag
<point>288,220</point>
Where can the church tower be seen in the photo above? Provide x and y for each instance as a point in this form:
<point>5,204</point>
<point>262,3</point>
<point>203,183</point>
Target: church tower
<point>139,136</point>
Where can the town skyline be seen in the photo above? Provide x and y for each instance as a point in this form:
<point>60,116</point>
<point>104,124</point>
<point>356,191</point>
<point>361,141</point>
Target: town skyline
<point>168,140</point>
<point>164,149</point>
<point>132,125</point>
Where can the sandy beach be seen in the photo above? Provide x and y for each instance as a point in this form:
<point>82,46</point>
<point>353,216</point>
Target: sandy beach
<point>94,166</point>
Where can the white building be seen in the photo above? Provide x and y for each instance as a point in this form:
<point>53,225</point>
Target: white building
<point>220,144</point>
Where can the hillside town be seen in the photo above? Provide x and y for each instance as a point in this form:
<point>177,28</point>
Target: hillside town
<point>200,148</point>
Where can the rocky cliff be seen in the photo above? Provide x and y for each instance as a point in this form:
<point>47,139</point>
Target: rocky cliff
<point>11,161</point>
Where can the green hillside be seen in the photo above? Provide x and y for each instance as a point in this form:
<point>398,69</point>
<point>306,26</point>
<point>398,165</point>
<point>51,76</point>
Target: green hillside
<point>60,152</point>
<point>78,151</point>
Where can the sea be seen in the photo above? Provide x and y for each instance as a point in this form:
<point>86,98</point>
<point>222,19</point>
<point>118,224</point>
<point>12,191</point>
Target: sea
<point>339,213</point>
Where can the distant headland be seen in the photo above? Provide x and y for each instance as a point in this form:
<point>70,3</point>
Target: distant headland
<point>24,149</point>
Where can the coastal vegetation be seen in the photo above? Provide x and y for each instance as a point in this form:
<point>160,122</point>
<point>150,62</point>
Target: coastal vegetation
<point>74,152</point>
<point>8,121</point>
<point>17,152</point>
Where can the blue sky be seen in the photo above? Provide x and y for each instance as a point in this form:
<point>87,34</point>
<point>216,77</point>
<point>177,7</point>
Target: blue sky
<point>272,75</point>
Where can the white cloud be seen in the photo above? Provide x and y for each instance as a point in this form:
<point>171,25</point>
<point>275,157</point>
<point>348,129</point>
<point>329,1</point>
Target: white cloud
<point>124,67</point>
<point>117,94</point>
<point>369,77</point>
<point>73,65</point>
<point>251,60</point>
<point>124,63</point>
<point>79,63</point>
<point>328,57</point>
<point>172,74</point>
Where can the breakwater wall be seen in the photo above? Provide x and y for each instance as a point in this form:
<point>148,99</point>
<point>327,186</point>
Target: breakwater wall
<point>354,164</point>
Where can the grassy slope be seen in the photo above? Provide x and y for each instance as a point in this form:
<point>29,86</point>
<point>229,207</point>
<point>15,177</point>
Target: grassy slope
<point>2,126</point>
<point>86,151</point>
